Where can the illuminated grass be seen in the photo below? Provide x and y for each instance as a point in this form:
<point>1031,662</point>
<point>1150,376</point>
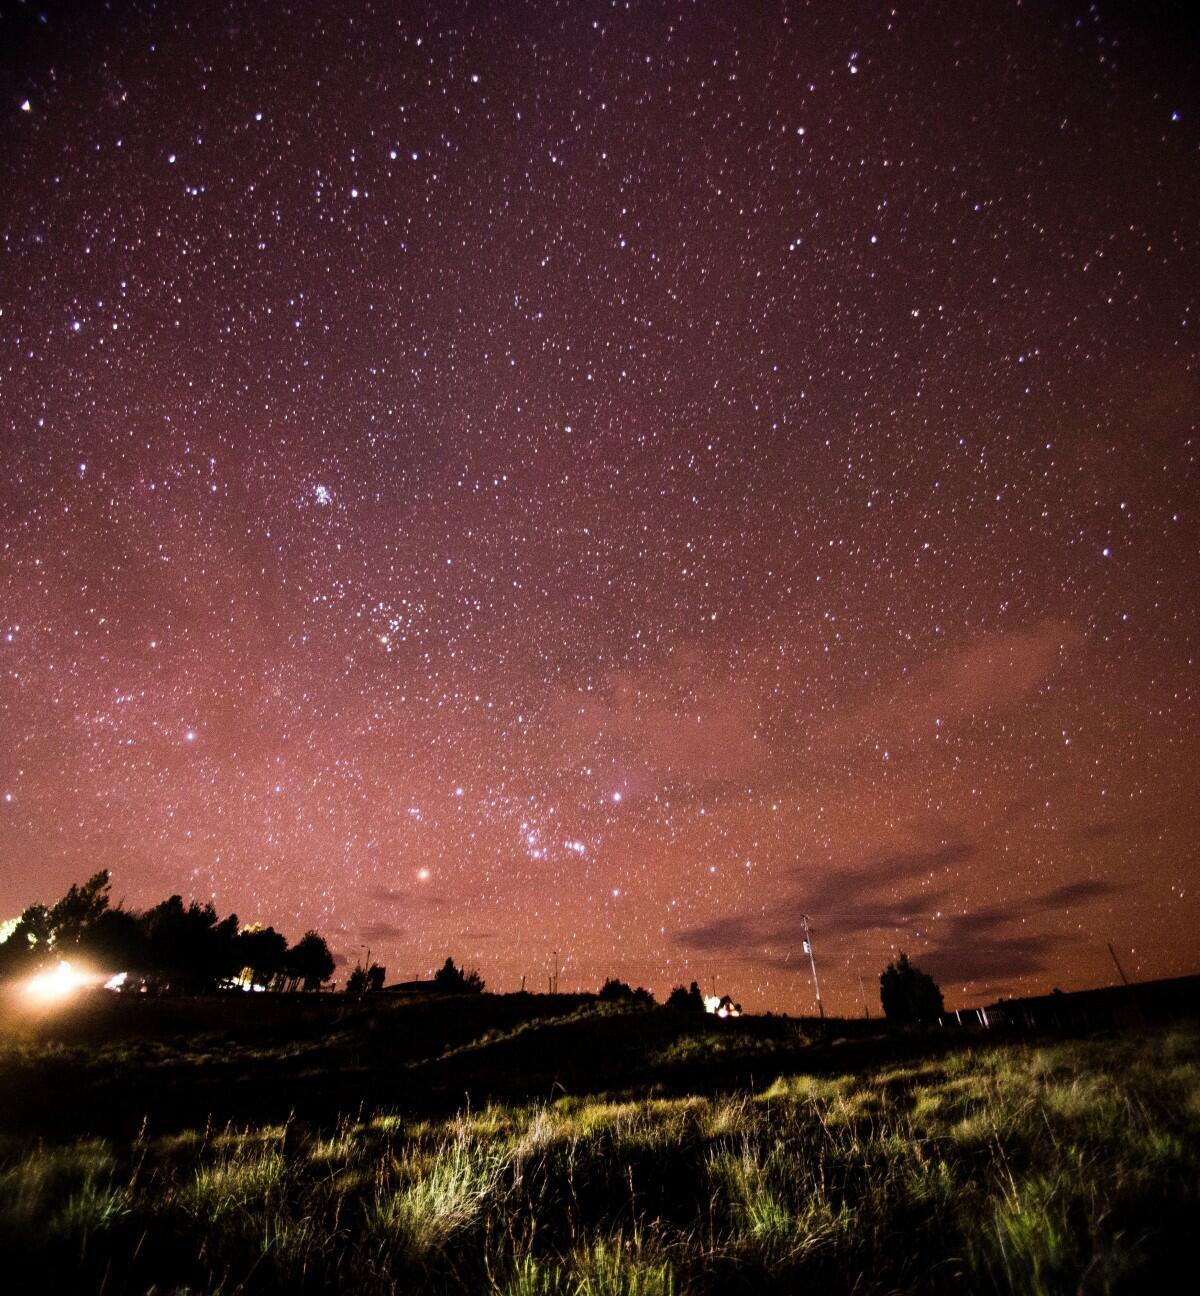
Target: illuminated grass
<point>1007,1170</point>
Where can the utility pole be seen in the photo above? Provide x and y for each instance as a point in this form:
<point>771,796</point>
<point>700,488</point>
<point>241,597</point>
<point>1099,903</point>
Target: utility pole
<point>555,981</point>
<point>866,1003</point>
<point>808,949</point>
<point>1133,999</point>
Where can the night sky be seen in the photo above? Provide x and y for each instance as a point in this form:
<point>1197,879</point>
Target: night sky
<point>490,479</point>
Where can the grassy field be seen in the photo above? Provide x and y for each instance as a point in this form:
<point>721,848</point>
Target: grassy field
<point>851,1165</point>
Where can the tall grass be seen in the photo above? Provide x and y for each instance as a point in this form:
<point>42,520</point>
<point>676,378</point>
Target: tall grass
<point>1009,1170</point>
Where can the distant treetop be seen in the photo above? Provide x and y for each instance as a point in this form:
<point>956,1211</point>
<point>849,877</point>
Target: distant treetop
<point>908,994</point>
<point>689,1000</point>
<point>614,991</point>
<point>453,980</point>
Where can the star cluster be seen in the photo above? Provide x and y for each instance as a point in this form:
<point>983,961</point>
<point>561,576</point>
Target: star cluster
<point>603,479</point>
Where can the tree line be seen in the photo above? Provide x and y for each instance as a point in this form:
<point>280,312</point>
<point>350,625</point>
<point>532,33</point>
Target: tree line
<point>171,948</point>
<point>187,949</point>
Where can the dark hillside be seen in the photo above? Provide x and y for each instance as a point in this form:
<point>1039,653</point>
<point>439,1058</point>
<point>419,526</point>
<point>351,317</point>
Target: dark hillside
<point>106,1061</point>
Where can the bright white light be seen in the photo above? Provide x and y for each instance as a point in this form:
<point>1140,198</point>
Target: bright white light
<point>58,983</point>
<point>423,875</point>
<point>323,495</point>
<point>616,796</point>
<point>189,735</point>
<point>117,981</point>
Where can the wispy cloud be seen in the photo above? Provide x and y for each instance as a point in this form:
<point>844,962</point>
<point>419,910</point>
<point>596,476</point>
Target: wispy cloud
<point>676,723</point>
<point>995,942</point>
<point>851,900</point>
<point>905,891</point>
<point>994,672</point>
<point>380,931</point>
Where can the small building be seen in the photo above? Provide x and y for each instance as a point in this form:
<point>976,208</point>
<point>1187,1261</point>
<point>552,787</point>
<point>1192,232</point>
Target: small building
<point>412,988</point>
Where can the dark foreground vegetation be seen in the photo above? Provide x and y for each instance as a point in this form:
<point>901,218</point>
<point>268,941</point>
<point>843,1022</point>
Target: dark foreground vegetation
<point>530,1146</point>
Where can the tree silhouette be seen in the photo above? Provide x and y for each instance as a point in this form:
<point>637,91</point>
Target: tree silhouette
<point>116,940</point>
<point>172,948</point>
<point>188,950</point>
<point>908,994</point>
<point>364,979</point>
<point>614,991</point>
<point>689,1000</point>
<point>263,951</point>
<point>309,961</point>
<point>29,944</point>
<point>453,980</point>
<point>43,933</point>
<point>78,910</point>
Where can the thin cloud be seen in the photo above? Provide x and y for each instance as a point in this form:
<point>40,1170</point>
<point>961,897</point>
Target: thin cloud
<point>979,945</point>
<point>674,724</point>
<point>380,931</point>
<point>851,901</point>
<point>994,673</point>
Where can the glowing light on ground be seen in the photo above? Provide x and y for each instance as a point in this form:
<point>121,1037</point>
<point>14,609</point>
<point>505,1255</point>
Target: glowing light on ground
<point>59,982</point>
